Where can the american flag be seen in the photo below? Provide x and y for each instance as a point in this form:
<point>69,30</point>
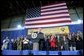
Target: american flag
<point>47,16</point>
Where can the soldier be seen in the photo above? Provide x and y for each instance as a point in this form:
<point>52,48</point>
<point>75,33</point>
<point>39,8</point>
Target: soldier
<point>18,44</point>
<point>15,44</point>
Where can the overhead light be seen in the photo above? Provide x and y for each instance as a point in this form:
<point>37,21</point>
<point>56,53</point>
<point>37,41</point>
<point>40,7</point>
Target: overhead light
<point>80,21</point>
<point>77,22</point>
<point>19,26</point>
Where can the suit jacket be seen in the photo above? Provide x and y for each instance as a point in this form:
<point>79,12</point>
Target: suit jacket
<point>65,41</point>
<point>59,41</point>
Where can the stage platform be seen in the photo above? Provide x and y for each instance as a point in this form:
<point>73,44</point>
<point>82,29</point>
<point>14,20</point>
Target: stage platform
<point>34,52</point>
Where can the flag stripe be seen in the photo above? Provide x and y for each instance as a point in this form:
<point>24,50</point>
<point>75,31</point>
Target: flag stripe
<point>49,20</point>
<point>53,8</point>
<point>43,7</point>
<point>54,22</point>
<point>44,17</point>
<point>50,12</point>
<point>55,14</point>
<point>47,25</point>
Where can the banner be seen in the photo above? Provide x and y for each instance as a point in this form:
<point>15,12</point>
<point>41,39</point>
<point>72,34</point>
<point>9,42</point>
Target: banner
<point>54,30</point>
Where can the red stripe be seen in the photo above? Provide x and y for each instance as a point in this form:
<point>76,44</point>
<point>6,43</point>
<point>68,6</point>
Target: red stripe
<point>55,13</point>
<point>63,21</point>
<point>54,10</point>
<point>48,18</point>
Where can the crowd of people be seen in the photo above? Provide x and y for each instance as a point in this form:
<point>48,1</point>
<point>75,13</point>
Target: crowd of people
<point>64,42</point>
<point>71,41</point>
<point>17,44</point>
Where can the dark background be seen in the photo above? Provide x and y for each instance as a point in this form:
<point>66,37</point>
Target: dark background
<point>10,8</point>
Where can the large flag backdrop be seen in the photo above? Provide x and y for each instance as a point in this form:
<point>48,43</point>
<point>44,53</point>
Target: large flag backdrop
<point>47,16</point>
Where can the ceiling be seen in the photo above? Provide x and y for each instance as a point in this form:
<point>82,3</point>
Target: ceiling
<point>12,8</point>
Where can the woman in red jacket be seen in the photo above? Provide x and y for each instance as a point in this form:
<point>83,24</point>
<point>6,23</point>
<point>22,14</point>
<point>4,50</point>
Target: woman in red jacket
<point>52,42</point>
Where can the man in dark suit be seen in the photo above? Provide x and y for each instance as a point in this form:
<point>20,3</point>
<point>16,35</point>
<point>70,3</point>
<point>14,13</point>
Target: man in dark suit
<point>40,36</point>
<point>42,44</point>
<point>65,43</point>
<point>69,41</point>
<point>47,45</point>
<point>39,40</point>
<point>12,44</point>
<point>59,42</point>
<point>79,43</point>
<point>73,41</point>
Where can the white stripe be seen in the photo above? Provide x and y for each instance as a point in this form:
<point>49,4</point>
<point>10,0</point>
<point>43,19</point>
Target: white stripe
<point>48,20</point>
<point>53,5</point>
<point>54,12</point>
<point>48,25</point>
<point>55,8</point>
<point>11,29</point>
<point>44,17</point>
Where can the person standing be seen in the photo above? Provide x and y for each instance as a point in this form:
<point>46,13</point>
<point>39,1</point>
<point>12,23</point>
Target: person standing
<point>21,42</point>
<point>73,42</point>
<point>65,43</point>
<point>30,44</point>
<point>25,44</point>
<point>80,34</point>
<point>19,47</point>
<point>42,44</point>
<point>5,44</point>
<point>15,44</point>
<point>59,42</point>
<point>12,44</point>
<point>47,43</point>
<point>79,42</point>
<point>70,42</point>
<point>52,42</point>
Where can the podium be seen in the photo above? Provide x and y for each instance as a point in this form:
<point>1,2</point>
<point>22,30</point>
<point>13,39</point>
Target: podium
<point>35,39</point>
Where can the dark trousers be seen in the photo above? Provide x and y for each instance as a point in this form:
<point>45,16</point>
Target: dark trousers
<point>65,47</point>
<point>15,47</point>
<point>59,47</point>
<point>25,46</point>
<point>52,48</point>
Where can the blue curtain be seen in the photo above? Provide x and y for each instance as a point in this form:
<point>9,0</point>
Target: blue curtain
<point>13,34</point>
<point>75,28</point>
